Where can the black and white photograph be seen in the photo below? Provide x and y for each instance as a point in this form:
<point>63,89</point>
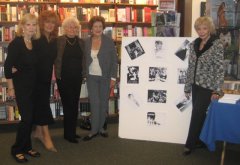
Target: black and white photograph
<point>157,96</point>
<point>132,75</point>
<point>158,74</point>
<point>151,119</point>
<point>134,49</point>
<point>182,75</point>
<point>182,103</point>
<point>158,49</point>
<point>182,51</point>
<point>133,99</point>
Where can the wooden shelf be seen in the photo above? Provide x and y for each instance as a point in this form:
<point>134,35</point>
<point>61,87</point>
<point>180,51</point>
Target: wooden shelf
<point>27,3</point>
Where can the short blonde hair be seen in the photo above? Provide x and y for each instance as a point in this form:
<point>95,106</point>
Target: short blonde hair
<point>205,21</point>
<point>23,21</point>
<point>70,20</point>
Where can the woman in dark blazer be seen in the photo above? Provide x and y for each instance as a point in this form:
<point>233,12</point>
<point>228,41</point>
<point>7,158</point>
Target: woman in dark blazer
<point>101,70</point>
<point>69,70</point>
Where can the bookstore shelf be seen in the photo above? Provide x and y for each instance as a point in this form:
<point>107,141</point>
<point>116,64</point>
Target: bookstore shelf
<point>135,21</point>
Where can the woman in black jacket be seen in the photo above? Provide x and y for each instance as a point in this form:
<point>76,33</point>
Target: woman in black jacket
<point>20,73</point>
<point>46,54</point>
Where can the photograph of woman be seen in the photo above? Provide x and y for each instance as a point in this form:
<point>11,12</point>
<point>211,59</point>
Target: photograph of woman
<point>221,15</point>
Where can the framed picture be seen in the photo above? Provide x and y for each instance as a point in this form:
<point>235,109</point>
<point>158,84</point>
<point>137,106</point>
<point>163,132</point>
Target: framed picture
<point>203,9</point>
<point>166,5</point>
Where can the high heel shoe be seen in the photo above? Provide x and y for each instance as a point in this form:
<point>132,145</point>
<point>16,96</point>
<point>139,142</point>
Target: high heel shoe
<point>77,136</point>
<point>71,140</point>
<point>52,149</point>
<point>104,134</point>
<point>187,151</point>
<point>33,153</point>
<point>89,137</point>
<point>20,158</point>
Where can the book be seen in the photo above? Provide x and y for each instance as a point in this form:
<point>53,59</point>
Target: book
<point>105,15</point>
<point>229,98</point>
<point>121,15</point>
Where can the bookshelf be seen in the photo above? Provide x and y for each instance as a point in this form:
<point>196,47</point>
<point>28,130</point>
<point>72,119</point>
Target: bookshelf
<point>123,18</point>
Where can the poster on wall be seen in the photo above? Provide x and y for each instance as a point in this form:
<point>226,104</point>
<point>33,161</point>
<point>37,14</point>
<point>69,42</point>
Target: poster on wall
<point>226,17</point>
<point>152,101</point>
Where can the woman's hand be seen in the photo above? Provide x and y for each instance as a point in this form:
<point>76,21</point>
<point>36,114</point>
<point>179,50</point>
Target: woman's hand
<point>11,93</point>
<point>188,95</point>
<point>214,96</point>
<point>14,69</point>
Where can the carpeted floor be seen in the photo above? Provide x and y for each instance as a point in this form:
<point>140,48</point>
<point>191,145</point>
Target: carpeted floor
<point>116,151</point>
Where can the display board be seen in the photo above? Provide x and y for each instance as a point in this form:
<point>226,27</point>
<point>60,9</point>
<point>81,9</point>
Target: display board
<point>152,101</point>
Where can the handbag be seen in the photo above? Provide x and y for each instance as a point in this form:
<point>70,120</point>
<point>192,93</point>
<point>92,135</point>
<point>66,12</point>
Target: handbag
<point>84,91</point>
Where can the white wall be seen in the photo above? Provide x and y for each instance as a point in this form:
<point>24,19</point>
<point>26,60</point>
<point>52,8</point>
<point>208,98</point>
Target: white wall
<point>195,14</point>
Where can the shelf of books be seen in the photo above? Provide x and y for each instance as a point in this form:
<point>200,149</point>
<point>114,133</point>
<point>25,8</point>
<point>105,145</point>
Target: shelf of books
<point>123,18</point>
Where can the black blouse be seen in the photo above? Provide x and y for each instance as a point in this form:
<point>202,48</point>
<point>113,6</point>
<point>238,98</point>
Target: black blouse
<point>20,57</point>
<point>72,59</point>
<point>46,54</point>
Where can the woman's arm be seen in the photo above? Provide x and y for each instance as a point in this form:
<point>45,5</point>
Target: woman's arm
<point>218,66</point>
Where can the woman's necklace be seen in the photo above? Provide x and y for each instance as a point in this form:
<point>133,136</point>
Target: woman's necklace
<point>27,40</point>
<point>71,43</point>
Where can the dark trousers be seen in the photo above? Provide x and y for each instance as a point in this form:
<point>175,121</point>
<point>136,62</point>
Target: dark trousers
<point>69,90</point>
<point>23,137</point>
<point>201,98</point>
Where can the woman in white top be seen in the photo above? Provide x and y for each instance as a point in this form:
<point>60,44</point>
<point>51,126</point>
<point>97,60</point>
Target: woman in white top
<point>101,70</point>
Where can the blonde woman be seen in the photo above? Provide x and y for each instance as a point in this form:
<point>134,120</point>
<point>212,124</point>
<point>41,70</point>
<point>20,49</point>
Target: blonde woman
<point>205,77</point>
<point>20,73</point>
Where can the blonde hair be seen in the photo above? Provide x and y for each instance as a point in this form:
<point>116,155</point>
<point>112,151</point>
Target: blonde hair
<point>207,21</point>
<point>28,17</point>
<point>70,20</point>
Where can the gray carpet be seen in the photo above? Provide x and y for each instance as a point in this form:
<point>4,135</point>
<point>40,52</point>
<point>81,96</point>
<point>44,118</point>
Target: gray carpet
<point>116,151</point>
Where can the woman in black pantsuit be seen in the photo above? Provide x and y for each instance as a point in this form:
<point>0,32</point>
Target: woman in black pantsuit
<point>46,54</point>
<point>69,66</point>
<point>20,73</point>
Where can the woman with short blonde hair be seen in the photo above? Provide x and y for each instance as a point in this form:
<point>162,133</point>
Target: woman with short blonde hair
<point>205,77</point>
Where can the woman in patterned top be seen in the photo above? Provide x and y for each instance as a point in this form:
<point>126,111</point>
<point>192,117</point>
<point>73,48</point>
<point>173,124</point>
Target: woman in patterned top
<point>205,76</point>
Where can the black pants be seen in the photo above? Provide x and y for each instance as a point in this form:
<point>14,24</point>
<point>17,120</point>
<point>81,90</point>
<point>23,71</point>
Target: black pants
<point>201,98</point>
<point>23,138</point>
<point>69,90</point>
